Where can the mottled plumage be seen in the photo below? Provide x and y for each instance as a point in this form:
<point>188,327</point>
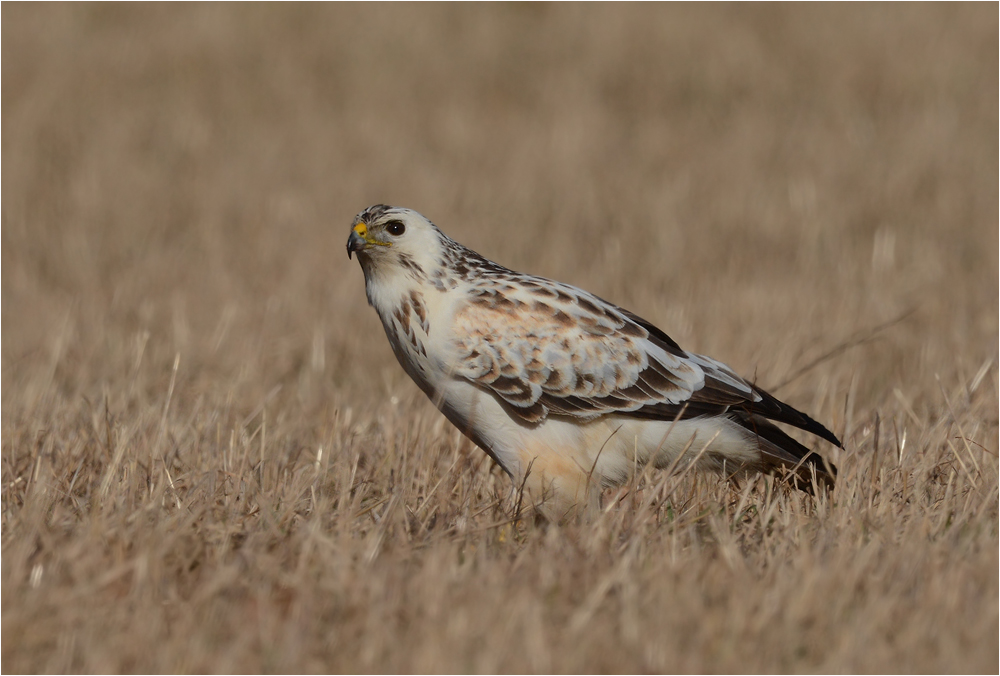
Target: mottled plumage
<point>546,376</point>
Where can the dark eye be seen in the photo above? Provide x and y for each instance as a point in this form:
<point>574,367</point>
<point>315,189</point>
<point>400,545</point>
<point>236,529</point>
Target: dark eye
<point>395,228</point>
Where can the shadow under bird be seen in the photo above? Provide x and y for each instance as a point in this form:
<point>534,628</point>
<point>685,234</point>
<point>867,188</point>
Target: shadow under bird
<point>567,392</point>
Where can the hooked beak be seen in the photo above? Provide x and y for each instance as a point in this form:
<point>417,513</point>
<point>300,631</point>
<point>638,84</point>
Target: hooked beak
<point>360,239</point>
<point>355,243</point>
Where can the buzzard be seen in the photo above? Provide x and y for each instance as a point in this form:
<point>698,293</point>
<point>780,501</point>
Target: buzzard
<point>567,392</point>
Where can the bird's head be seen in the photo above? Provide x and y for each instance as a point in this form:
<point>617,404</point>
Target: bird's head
<point>387,239</point>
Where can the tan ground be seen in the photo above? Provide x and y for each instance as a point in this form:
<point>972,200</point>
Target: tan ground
<point>212,462</point>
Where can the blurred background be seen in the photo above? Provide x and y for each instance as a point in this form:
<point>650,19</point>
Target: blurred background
<point>183,333</point>
<point>763,182</point>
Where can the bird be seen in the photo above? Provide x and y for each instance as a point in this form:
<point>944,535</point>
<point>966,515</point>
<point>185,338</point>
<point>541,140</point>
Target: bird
<point>568,393</point>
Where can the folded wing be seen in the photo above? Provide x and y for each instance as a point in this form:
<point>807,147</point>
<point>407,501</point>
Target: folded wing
<point>547,348</point>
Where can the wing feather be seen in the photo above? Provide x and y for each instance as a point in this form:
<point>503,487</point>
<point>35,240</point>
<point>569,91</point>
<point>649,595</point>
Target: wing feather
<point>572,353</point>
<point>547,348</point>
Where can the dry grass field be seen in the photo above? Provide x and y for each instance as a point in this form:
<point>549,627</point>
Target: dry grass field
<point>211,461</point>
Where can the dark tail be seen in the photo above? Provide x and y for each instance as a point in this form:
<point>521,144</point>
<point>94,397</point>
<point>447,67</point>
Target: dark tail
<point>779,451</point>
<point>779,411</point>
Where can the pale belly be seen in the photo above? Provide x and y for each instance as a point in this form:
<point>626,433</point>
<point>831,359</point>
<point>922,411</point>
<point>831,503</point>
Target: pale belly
<point>567,462</point>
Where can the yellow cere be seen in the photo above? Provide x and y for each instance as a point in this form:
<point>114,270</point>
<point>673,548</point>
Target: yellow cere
<point>362,230</point>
